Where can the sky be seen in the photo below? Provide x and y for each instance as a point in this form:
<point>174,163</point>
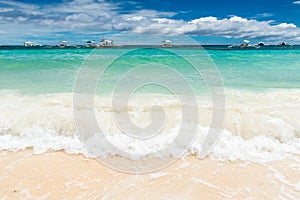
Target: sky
<point>207,22</point>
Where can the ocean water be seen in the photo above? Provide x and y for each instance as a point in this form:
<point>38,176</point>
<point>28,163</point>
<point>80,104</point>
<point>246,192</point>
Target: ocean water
<point>262,89</point>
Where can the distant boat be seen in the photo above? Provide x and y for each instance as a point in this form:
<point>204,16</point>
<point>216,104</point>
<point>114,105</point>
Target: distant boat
<point>31,44</point>
<point>245,44</point>
<point>63,44</point>
<point>91,44</point>
<point>167,44</point>
<point>106,43</point>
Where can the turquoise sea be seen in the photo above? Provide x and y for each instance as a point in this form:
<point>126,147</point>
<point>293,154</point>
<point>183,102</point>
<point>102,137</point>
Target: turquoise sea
<point>262,89</point>
<point>44,71</point>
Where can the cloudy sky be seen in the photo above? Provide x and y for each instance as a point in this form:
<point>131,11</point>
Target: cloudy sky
<point>209,21</point>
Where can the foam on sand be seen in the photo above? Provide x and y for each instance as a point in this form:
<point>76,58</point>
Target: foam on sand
<point>27,176</point>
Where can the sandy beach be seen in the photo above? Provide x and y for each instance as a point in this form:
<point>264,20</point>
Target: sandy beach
<point>58,175</point>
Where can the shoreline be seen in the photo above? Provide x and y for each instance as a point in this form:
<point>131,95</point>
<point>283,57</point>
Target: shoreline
<point>54,175</point>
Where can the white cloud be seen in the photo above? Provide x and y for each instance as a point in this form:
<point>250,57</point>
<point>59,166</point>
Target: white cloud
<point>89,16</point>
<point>6,10</point>
<point>296,2</point>
<point>153,13</point>
<point>233,27</point>
<point>25,6</point>
<point>263,15</point>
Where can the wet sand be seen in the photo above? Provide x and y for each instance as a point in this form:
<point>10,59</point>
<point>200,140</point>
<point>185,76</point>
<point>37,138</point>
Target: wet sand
<point>58,175</point>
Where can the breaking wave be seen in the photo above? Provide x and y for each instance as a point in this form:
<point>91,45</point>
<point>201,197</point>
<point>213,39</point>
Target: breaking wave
<point>261,126</point>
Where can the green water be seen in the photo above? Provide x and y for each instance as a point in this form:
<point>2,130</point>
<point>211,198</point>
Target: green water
<point>42,71</point>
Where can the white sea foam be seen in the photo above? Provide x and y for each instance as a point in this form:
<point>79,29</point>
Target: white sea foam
<point>258,126</point>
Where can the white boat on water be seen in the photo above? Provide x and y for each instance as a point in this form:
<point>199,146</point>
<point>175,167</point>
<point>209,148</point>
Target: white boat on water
<point>91,44</point>
<point>31,44</point>
<point>245,44</point>
<point>106,43</point>
<point>167,44</point>
<point>63,44</point>
<point>103,44</point>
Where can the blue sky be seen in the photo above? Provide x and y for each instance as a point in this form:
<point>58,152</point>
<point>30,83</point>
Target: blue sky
<point>209,22</point>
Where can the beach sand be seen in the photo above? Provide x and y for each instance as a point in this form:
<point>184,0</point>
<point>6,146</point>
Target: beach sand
<point>58,175</point>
